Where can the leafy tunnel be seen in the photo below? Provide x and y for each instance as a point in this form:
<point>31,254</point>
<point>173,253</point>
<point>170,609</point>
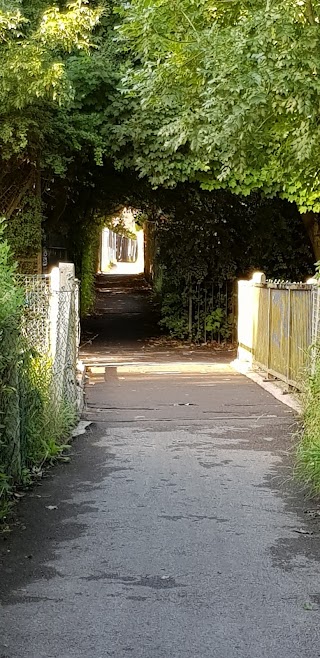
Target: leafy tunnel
<point>159,110</point>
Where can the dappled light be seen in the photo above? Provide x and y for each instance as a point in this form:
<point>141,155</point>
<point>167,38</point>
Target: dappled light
<point>154,155</point>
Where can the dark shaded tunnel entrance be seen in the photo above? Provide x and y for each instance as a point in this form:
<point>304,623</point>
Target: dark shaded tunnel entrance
<point>124,317</point>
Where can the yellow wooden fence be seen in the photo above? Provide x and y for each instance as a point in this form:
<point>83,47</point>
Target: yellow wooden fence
<point>276,326</point>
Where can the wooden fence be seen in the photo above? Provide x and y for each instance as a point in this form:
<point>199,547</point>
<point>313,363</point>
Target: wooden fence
<point>277,326</point>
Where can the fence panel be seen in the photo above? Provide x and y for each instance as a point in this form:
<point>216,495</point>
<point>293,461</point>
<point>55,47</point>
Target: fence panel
<point>127,249</point>
<point>301,331</point>
<point>277,324</point>
<point>35,320</point>
<point>209,309</point>
<point>315,315</point>
<point>279,330</point>
<point>260,310</point>
<point>51,326</point>
<point>40,392</point>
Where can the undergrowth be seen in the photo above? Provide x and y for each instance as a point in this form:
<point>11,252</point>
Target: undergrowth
<point>308,451</point>
<point>34,428</point>
<point>45,429</point>
<point>88,265</point>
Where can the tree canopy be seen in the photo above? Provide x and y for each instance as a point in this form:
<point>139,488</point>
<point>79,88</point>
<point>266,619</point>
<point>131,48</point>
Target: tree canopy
<point>35,38</point>
<point>225,92</point>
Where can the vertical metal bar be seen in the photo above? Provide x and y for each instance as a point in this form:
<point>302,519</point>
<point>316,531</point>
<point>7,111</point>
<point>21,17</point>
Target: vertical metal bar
<point>190,314</point>
<point>289,335</point>
<point>235,310</point>
<point>226,307</point>
<point>198,311</point>
<point>219,302</point>
<point>212,308</point>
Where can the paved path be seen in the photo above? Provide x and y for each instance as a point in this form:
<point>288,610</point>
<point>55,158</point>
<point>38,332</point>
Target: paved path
<point>177,528</point>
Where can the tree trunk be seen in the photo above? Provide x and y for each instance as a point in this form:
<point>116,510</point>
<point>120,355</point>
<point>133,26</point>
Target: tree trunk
<point>312,225</point>
<point>310,13</point>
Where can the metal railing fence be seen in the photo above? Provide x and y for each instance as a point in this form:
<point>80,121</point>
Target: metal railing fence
<point>210,310</point>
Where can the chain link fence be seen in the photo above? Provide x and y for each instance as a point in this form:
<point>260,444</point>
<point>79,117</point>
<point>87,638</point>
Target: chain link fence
<point>316,315</point>
<point>35,318</point>
<point>65,338</point>
<point>315,328</point>
<point>50,325</point>
<point>41,388</point>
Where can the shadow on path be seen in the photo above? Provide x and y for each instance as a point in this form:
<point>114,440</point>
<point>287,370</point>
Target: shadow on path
<point>177,530</point>
<point>124,315</point>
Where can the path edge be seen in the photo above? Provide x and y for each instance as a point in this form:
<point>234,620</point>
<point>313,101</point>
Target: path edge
<point>288,399</point>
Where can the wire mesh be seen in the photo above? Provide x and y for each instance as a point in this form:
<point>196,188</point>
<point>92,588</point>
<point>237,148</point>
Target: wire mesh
<point>50,326</point>
<point>35,319</point>
<point>315,315</point>
<point>39,395</point>
<point>66,340</point>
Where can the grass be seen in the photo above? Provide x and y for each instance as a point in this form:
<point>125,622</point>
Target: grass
<point>52,449</point>
<point>34,426</point>
<point>308,450</point>
<point>5,499</point>
<point>45,429</point>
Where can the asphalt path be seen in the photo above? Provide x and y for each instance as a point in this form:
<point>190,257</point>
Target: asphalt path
<point>176,531</point>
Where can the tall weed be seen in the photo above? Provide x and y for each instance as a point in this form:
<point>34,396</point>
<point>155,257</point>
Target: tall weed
<point>33,426</point>
<point>308,451</point>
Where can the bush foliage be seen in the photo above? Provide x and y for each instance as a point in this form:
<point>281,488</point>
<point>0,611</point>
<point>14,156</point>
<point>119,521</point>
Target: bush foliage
<point>32,428</point>
<point>308,452</point>
<point>205,241</point>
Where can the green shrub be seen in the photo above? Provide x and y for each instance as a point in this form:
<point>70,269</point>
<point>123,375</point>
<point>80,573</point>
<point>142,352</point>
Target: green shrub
<point>308,451</point>
<point>201,303</point>
<point>88,271</point>
<point>10,316</point>
<point>24,230</point>
<point>33,428</point>
<point>44,425</point>
<point>88,263</point>
<point>174,314</point>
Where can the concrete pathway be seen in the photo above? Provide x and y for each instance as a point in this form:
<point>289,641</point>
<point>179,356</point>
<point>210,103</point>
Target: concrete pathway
<point>178,531</point>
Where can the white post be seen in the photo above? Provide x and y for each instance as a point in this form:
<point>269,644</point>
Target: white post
<point>54,309</point>
<point>63,344</point>
<point>246,317</point>
<point>105,250</point>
